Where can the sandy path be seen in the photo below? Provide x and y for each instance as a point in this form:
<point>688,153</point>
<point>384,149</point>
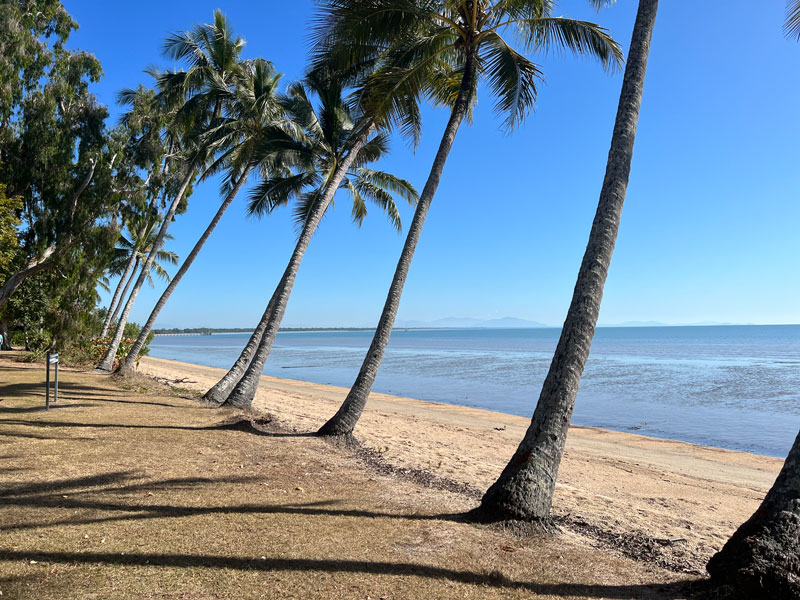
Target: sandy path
<point>616,482</point>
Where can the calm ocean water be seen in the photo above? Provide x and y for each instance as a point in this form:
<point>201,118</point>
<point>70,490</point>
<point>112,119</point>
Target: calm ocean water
<point>729,386</point>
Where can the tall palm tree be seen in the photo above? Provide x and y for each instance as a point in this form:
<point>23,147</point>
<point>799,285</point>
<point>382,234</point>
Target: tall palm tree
<point>252,135</point>
<point>465,41</point>
<point>128,256</point>
<point>212,52</point>
<point>333,160</point>
<point>525,488</point>
<point>762,558</point>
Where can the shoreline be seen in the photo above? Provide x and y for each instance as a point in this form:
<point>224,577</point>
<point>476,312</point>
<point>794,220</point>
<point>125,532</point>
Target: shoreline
<point>622,483</point>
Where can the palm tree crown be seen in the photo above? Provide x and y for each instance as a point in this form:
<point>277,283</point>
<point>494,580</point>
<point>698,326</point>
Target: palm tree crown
<point>321,140</point>
<point>405,49</point>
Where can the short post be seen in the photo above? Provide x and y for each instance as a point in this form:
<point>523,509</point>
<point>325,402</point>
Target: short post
<point>55,389</point>
<point>52,359</point>
<point>47,385</point>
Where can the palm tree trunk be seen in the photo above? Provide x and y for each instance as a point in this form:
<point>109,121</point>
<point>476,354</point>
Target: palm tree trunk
<point>243,393</point>
<point>525,488</point>
<point>222,389</point>
<point>125,290</point>
<point>762,559</point>
<point>107,363</point>
<point>345,419</point>
<point>113,308</point>
<point>127,364</point>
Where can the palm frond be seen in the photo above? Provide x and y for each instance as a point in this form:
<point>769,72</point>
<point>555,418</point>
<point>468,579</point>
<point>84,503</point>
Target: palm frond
<point>792,25</point>
<point>512,79</point>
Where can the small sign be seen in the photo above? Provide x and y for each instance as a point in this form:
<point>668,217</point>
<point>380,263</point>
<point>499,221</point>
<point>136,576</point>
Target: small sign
<point>53,358</point>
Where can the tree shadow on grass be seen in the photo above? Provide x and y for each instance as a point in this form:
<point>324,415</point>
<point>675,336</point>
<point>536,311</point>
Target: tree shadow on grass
<point>242,425</point>
<point>8,410</point>
<point>494,580</point>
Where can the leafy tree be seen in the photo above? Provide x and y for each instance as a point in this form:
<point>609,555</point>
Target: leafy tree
<point>57,155</point>
<point>326,159</point>
<point>444,49</point>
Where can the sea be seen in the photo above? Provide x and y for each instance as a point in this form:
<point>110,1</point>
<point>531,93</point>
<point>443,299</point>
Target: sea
<point>734,387</point>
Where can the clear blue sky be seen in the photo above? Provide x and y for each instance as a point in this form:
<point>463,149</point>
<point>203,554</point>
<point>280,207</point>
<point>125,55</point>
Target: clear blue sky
<point>709,230</point>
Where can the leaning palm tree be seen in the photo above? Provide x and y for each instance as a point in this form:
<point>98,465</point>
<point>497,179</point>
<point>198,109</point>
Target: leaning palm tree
<point>334,158</point>
<point>253,134</point>
<point>212,52</point>
<point>128,256</point>
<point>525,488</point>
<point>762,558</point>
<point>465,40</point>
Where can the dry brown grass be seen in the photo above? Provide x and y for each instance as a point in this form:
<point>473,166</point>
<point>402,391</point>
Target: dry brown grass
<point>120,494</point>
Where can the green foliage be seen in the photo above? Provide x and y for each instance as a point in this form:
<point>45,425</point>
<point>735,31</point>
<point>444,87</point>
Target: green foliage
<point>90,350</point>
<point>398,51</point>
<point>321,139</point>
<point>9,223</point>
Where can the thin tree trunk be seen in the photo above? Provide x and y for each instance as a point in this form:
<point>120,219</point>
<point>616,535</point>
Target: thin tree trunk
<point>108,361</point>
<point>32,268</point>
<point>127,364</point>
<point>222,389</point>
<point>525,488</point>
<point>113,308</point>
<point>125,290</point>
<point>345,419</point>
<point>243,393</point>
<point>762,559</point>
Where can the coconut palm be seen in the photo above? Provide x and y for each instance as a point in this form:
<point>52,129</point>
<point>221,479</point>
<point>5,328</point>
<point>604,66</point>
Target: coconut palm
<point>212,52</point>
<point>128,256</point>
<point>761,559</point>
<point>252,135</point>
<point>525,488</point>
<point>332,162</point>
<point>448,47</point>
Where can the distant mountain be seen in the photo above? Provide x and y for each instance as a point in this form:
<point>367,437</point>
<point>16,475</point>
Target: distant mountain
<point>462,322</point>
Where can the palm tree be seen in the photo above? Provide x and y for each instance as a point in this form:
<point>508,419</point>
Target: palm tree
<point>213,54</point>
<point>464,40</point>
<point>525,488</point>
<point>251,136</point>
<point>761,558</point>
<point>334,158</point>
<point>128,255</point>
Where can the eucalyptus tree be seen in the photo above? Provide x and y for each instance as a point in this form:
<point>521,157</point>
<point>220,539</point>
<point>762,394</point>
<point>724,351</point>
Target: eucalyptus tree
<point>132,252</point>
<point>469,41</point>
<point>212,52</point>
<point>56,154</point>
<point>329,155</point>
<point>251,135</point>
<point>762,557</point>
<point>525,488</point>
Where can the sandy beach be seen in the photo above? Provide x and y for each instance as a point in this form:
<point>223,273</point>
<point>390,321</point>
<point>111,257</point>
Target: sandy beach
<point>672,502</point>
